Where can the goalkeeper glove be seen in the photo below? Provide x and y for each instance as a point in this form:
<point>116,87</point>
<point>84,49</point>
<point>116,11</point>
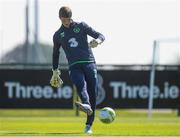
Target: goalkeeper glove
<point>56,81</point>
<point>95,42</point>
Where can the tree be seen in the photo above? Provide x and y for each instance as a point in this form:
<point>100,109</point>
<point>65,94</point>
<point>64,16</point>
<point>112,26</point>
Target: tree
<point>32,54</point>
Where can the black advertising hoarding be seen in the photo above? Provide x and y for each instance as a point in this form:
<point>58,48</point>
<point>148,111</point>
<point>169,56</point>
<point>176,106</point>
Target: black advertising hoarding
<point>31,89</point>
<point>130,89</point>
<point>117,89</point>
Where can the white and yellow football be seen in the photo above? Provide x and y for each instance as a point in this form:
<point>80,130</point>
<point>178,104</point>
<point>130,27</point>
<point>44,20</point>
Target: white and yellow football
<point>107,115</point>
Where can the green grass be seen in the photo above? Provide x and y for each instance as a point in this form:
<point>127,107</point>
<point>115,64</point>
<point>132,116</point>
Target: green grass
<point>62,122</point>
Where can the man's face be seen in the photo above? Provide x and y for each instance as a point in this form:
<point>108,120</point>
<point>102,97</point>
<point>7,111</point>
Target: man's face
<point>65,21</point>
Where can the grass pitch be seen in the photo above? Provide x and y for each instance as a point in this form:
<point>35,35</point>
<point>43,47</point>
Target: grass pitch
<point>62,122</point>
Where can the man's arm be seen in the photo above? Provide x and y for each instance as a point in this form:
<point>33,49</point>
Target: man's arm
<point>91,32</point>
<point>56,47</point>
<point>56,81</point>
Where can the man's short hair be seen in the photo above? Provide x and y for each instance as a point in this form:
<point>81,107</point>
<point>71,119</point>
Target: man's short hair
<point>65,12</point>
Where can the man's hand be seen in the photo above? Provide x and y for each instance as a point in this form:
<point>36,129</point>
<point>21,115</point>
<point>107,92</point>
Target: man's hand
<point>93,43</point>
<point>56,81</point>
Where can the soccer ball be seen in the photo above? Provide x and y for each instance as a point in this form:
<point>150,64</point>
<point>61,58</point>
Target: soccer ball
<point>107,115</point>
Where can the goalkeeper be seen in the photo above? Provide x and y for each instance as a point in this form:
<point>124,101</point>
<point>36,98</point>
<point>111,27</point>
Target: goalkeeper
<point>72,37</point>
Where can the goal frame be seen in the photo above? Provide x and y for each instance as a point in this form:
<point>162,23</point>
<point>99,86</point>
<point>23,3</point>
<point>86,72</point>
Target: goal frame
<point>156,45</point>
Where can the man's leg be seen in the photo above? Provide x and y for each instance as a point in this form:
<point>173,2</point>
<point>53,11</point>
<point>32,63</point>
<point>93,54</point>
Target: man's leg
<point>91,80</point>
<point>77,77</point>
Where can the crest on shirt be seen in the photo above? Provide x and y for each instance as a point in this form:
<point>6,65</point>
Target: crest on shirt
<point>62,34</point>
<point>76,30</point>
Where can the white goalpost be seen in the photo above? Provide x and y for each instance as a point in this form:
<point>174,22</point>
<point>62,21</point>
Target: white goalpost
<point>156,46</point>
